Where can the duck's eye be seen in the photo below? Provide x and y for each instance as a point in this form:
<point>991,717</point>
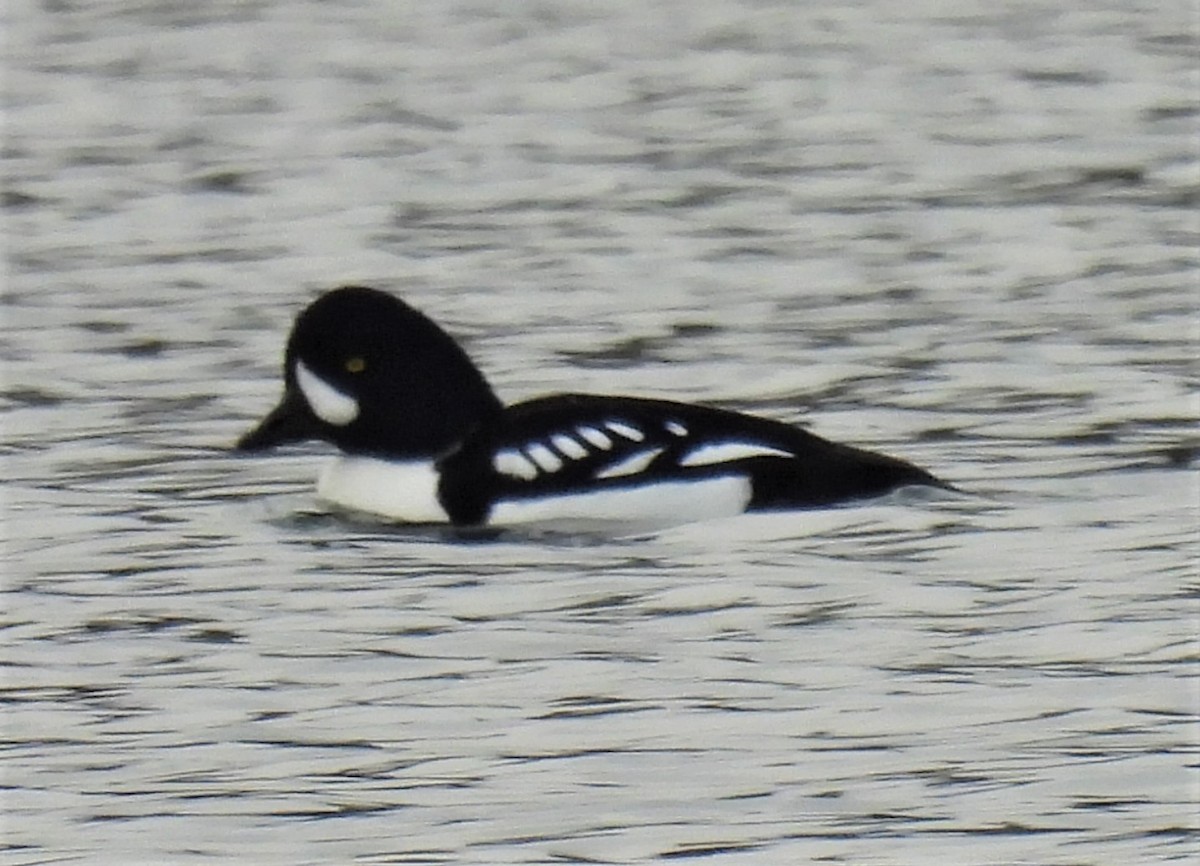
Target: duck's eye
<point>356,364</point>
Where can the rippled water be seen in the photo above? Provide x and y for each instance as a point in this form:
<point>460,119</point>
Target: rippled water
<point>963,233</point>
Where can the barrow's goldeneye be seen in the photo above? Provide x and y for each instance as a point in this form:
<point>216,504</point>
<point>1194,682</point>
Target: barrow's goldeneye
<point>425,439</point>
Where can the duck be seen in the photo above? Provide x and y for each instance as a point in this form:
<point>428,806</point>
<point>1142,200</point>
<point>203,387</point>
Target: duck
<point>424,439</point>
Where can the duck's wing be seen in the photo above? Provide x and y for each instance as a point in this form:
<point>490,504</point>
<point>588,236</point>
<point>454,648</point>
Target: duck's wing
<point>576,444</point>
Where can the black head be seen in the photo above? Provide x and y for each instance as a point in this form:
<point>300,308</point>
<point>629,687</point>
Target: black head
<point>370,374</point>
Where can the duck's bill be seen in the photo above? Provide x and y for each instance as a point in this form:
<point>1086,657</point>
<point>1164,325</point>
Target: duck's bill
<point>290,421</point>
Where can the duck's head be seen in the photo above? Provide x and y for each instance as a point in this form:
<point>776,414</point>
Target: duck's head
<point>370,374</point>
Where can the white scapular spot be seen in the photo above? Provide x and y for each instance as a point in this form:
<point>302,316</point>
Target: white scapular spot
<point>622,429</point>
<point>546,459</point>
<point>327,402</point>
<point>726,452</point>
<point>631,465</point>
<point>676,429</point>
<point>514,464</point>
<point>601,440</point>
<point>569,447</point>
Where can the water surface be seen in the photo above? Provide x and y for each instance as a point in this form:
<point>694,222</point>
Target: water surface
<point>961,233</point>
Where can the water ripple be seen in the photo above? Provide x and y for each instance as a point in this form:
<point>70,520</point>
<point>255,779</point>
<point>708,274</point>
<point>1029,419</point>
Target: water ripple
<point>966,238</point>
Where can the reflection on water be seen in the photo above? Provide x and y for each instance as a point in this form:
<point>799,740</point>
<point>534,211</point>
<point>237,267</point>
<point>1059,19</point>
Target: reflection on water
<point>965,239</point>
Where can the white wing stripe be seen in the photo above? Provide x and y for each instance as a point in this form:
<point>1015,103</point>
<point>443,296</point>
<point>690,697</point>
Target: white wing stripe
<point>631,465</point>
<point>625,430</point>
<point>546,459</point>
<point>675,428</point>
<point>514,464</point>
<point>591,434</point>
<point>569,447</point>
<point>726,452</point>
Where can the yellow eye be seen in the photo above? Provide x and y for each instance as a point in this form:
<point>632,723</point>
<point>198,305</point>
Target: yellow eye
<point>356,364</point>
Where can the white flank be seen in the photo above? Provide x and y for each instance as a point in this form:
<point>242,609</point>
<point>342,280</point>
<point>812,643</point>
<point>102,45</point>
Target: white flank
<point>546,459</point>
<point>726,452</point>
<point>621,429</point>
<point>644,507</point>
<point>675,428</point>
<point>631,465</point>
<point>514,464</point>
<point>327,402</point>
<point>404,492</point>
<point>572,448</point>
<point>601,440</point>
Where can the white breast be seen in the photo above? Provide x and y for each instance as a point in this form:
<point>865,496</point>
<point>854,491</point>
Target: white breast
<point>404,492</point>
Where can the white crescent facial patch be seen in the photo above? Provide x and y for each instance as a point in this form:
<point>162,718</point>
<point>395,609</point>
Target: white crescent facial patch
<point>327,402</point>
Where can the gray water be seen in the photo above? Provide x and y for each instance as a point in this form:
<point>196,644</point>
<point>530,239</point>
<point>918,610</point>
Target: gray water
<point>960,232</point>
